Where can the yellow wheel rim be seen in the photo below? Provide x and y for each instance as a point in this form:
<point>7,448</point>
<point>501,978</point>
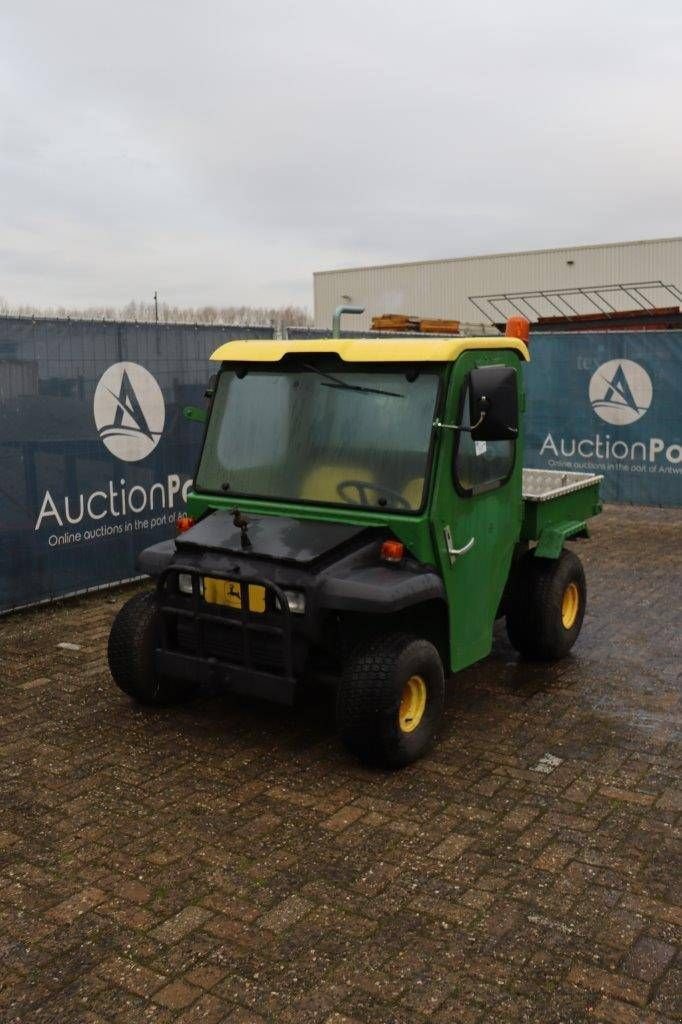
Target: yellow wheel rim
<point>570,605</point>
<point>412,704</point>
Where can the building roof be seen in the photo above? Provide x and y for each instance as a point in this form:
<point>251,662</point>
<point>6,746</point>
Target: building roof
<point>498,255</point>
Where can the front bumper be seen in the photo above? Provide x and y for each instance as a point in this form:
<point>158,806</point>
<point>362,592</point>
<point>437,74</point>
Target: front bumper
<point>245,652</point>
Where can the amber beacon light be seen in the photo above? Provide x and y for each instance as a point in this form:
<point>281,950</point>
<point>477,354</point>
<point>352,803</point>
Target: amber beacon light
<point>392,551</point>
<point>518,327</point>
<point>184,523</point>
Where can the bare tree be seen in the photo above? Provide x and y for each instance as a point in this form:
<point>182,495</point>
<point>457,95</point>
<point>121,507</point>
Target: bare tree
<point>144,312</point>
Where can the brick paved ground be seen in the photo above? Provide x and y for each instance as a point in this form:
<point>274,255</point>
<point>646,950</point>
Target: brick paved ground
<point>228,862</point>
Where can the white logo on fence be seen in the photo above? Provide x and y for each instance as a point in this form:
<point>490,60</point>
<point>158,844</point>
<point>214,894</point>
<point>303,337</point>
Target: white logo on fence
<point>129,411</point>
<point>620,391</point>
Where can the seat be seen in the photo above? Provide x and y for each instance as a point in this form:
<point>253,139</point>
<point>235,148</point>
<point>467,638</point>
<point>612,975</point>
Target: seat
<point>322,482</point>
<point>412,492</point>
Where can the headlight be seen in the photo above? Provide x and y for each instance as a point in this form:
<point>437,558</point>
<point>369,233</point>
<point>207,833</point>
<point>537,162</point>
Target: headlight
<point>184,583</point>
<point>296,601</point>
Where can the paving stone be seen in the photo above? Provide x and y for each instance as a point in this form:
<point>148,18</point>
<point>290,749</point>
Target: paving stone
<point>656,909</point>
<point>206,976</point>
<point>451,847</point>
<point>242,1016</point>
<point>285,913</point>
<point>206,1010</point>
<point>130,976</point>
<point>177,995</point>
<point>614,985</point>
<point>229,863</point>
<point>670,800</point>
<point>612,1011</point>
<point>77,904</point>
<point>181,924</point>
<point>344,817</point>
<point>668,996</point>
<point>555,856</point>
<point>648,959</point>
<point>520,817</point>
<point>628,796</point>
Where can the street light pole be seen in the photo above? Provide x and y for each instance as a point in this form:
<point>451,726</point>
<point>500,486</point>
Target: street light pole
<point>156,306</point>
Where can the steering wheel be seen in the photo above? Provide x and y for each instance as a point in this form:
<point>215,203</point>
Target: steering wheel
<point>362,486</point>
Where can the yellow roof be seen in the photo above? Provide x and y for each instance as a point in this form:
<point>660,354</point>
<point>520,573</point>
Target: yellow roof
<point>366,350</point>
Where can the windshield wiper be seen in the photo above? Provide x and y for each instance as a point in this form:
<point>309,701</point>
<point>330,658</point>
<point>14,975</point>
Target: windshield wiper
<point>335,382</point>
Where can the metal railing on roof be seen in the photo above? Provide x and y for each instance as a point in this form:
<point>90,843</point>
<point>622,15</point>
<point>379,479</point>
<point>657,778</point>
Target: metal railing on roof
<point>563,302</point>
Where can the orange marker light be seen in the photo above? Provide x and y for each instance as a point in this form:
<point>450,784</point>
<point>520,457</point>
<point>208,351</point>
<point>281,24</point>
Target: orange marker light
<point>185,523</point>
<point>392,551</point>
<point>518,327</point>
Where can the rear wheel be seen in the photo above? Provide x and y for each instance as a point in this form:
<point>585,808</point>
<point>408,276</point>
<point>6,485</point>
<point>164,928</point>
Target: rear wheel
<point>390,700</point>
<point>133,639</point>
<point>547,606</point>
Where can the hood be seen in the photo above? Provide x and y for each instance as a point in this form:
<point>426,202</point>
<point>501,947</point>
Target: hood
<point>280,538</point>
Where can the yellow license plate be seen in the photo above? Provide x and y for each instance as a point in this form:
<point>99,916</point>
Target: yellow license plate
<point>228,593</point>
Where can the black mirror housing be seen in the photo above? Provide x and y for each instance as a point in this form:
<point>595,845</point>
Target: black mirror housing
<point>494,405</point>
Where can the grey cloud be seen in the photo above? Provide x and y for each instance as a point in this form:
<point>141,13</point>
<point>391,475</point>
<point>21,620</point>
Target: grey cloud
<point>223,151</point>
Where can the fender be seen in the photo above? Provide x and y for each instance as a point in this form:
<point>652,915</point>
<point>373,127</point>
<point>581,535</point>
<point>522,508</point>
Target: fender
<point>380,588</point>
<point>551,541</point>
<point>154,559</point>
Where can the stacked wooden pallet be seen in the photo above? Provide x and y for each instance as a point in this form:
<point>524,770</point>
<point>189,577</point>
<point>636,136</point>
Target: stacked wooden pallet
<point>397,322</point>
<point>439,326</point>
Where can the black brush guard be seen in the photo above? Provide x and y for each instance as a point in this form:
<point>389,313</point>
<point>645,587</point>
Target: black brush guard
<point>201,625</point>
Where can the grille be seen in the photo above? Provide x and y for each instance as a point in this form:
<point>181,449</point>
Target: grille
<point>226,643</point>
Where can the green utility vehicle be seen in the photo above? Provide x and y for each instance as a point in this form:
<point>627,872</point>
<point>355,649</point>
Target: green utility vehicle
<point>359,516</point>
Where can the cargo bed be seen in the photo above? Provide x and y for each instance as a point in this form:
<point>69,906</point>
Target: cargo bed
<point>556,506</point>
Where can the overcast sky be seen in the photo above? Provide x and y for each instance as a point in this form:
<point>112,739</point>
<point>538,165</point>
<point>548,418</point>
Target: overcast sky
<point>222,151</point>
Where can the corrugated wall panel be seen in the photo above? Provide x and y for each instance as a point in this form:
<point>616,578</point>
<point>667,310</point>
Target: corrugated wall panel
<point>442,288</point>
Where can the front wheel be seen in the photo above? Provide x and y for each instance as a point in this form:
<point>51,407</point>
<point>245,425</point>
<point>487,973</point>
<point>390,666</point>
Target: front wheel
<point>132,641</point>
<point>390,700</point>
<point>547,606</point>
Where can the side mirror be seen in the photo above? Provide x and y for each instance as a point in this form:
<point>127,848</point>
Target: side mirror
<point>493,402</point>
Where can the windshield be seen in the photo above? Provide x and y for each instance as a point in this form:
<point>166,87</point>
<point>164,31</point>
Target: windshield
<point>313,433</point>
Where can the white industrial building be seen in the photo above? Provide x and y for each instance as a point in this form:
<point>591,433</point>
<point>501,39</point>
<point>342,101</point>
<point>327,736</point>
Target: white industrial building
<point>482,289</point>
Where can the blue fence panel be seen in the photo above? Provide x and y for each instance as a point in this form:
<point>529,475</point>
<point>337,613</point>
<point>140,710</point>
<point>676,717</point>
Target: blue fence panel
<point>95,455</point>
<point>611,403</point>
